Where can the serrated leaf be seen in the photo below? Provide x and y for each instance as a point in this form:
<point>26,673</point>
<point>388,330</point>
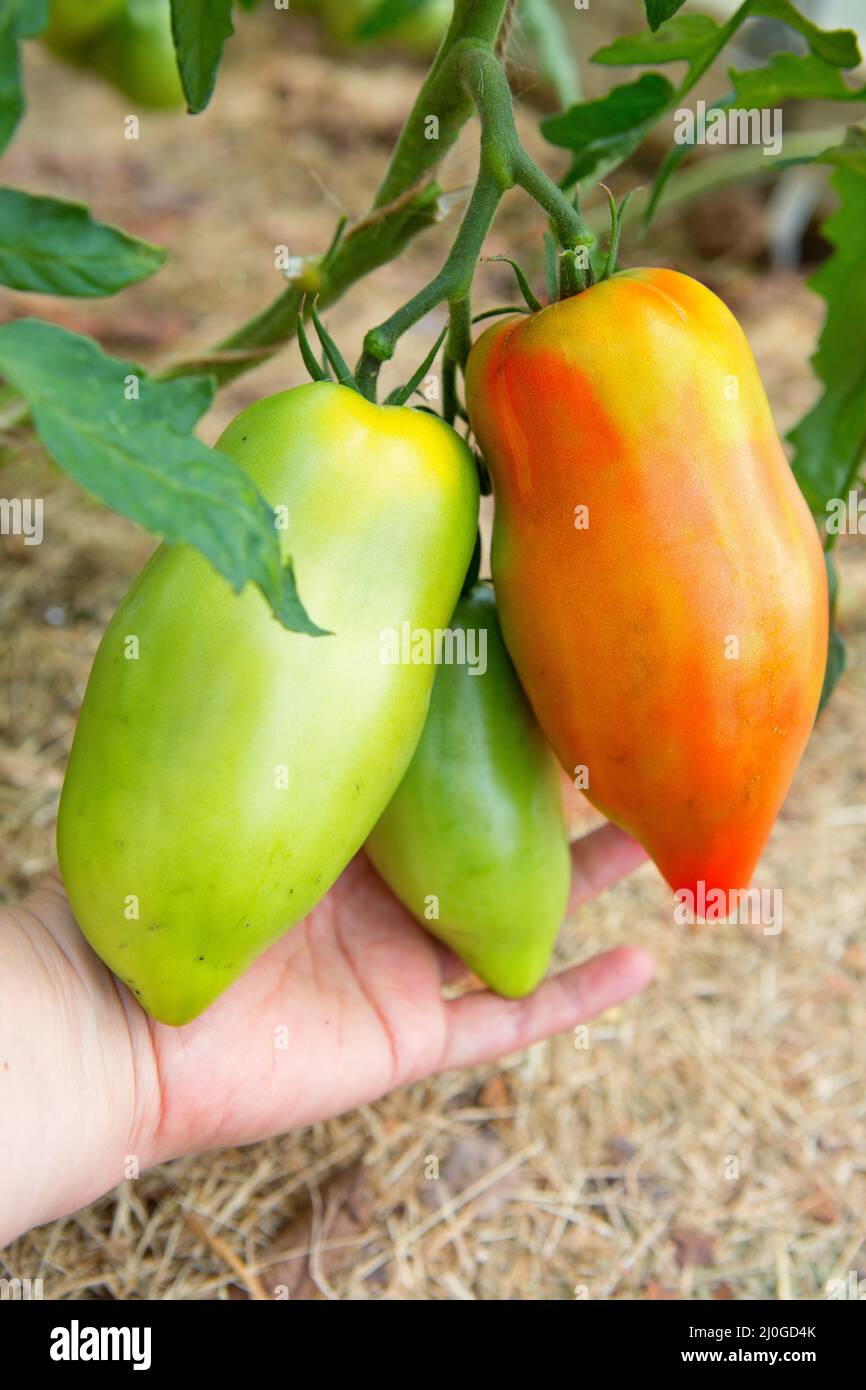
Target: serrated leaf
<point>836,46</point>
<point>830,440</point>
<point>680,38</point>
<point>788,77</point>
<point>657,11</point>
<point>138,456</point>
<point>785,76</point>
<point>19,19</point>
<point>602,133</point>
<point>51,247</point>
<point>200,29</point>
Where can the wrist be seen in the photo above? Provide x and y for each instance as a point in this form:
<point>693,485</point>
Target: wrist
<point>77,1102</point>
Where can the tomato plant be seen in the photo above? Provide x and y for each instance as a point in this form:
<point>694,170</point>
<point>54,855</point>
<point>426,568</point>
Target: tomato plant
<point>673,646</point>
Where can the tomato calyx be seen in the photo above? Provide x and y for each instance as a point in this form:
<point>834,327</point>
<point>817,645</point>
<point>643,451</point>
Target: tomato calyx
<point>616,216</point>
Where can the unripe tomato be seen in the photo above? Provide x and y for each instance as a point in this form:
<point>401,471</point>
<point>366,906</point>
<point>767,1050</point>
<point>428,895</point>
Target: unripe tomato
<point>72,24</point>
<point>225,770</point>
<point>137,55</point>
<point>421,33</point>
<point>474,840</point>
<point>660,581</point>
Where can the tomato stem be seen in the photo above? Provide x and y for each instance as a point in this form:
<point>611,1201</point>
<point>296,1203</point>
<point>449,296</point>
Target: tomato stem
<point>503,164</point>
<point>532,301</point>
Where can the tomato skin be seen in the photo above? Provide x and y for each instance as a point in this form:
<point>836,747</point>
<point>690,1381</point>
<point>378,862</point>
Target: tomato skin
<point>74,23</point>
<point>478,820</point>
<point>420,33</point>
<point>173,792</point>
<point>137,56</point>
<point>674,646</point>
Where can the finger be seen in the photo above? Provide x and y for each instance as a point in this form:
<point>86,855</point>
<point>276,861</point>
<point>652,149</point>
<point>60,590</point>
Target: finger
<point>599,859</point>
<point>451,967</point>
<point>482,1026</point>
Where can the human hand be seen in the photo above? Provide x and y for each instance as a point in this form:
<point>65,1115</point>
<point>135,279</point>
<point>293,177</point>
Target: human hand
<point>345,1007</point>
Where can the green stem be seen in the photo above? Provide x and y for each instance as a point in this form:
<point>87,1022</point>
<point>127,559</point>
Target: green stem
<point>453,281</point>
<point>408,201</point>
<point>503,164</point>
<point>415,152</point>
<point>457,347</point>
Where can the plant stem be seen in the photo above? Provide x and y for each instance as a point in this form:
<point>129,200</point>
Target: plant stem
<point>416,153</point>
<point>453,281</point>
<point>408,201</point>
<point>503,164</point>
<point>457,346</point>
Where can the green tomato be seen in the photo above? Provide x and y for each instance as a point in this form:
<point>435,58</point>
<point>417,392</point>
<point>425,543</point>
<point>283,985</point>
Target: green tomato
<point>137,55</point>
<point>72,24</point>
<point>476,831</point>
<point>421,33</point>
<point>222,778</point>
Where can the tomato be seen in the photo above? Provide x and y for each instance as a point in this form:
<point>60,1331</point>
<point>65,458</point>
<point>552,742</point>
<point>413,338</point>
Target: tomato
<point>137,55</point>
<point>225,770</point>
<point>474,840</point>
<point>420,33</point>
<point>660,581</point>
<point>74,23</point>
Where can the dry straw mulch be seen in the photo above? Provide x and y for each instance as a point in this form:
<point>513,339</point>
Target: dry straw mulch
<point>709,1141</point>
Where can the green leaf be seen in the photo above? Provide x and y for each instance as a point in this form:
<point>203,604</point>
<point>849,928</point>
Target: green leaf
<point>200,28</point>
<point>19,19</point>
<point>835,669</point>
<point>51,247</point>
<point>139,457</point>
<point>680,38</point>
<point>627,114</point>
<point>657,11</point>
<point>404,393</point>
<point>317,372</point>
<point>333,356</point>
<point>601,134</point>
<point>530,299</point>
<point>697,39</point>
<point>830,440</point>
<point>788,77</point>
<point>836,659</point>
<point>836,46</point>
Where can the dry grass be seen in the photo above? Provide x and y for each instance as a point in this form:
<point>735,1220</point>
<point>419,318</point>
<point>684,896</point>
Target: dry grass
<point>710,1141</point>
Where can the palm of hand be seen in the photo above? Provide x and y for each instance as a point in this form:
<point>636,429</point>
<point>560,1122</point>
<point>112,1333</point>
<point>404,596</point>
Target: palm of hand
<point>345,1007</point>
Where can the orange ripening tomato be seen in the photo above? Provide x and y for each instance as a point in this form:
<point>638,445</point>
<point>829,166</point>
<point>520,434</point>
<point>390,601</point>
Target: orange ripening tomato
<point>659,578</point>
